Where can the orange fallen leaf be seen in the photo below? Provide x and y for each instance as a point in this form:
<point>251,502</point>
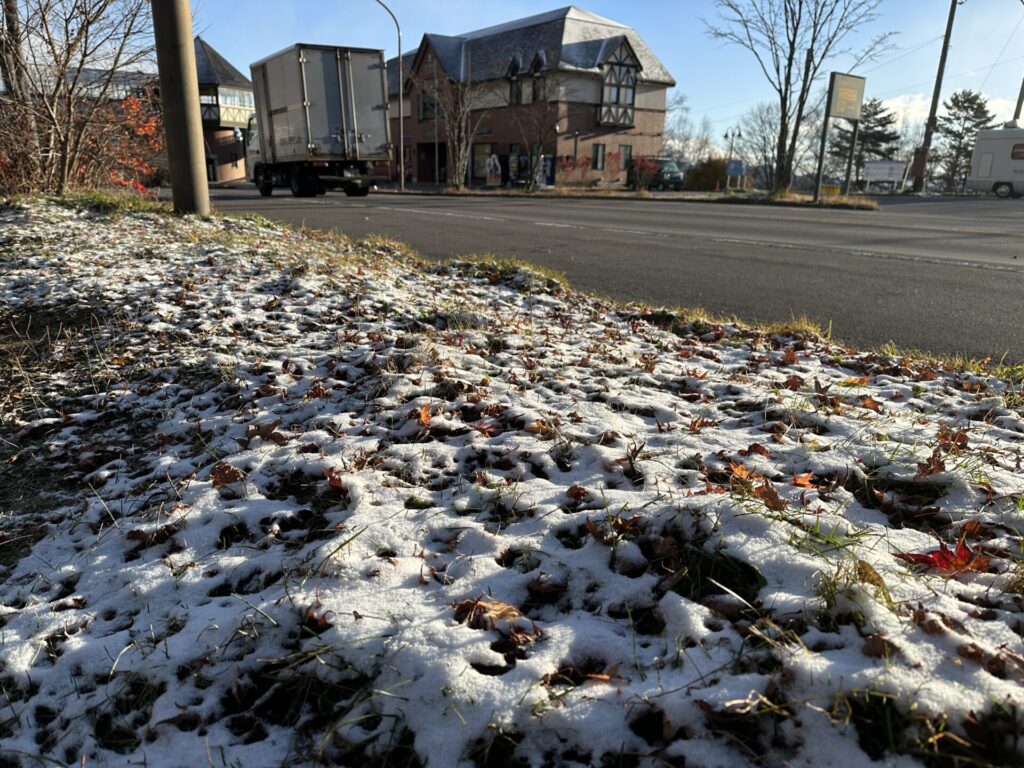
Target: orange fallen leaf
<point>605,677</point>
<point>740,472</point>
<point>871,404</point>
<point>766,493</point>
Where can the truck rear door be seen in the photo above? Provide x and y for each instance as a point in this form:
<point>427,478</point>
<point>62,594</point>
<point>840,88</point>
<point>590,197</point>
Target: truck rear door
<point>368,95</point>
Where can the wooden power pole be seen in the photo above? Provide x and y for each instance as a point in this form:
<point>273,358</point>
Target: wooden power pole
<point>921,161</point>
<point>179,94</point>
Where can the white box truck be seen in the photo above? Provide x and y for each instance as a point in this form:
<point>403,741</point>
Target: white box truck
<point>321,120</point>
<point>997,164</point>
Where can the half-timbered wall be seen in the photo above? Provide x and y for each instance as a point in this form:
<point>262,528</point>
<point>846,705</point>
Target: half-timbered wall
<point>618,99</point>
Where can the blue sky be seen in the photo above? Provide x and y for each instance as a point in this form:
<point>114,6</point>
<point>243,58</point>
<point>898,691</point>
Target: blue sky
<point>719,81</point>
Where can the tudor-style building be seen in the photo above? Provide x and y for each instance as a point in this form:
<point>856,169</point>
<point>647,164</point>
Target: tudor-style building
<point>567,84</point>
<point>225,102</point>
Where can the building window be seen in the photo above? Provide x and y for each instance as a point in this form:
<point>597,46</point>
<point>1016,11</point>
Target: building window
<point>427,105</point>
<point>626,153</point>
<point>540,85</point>
<point>236,97</point>
<point>515,91</point>
<point>597,157</point>
<point>1017,153</point>
<point>207,98</point>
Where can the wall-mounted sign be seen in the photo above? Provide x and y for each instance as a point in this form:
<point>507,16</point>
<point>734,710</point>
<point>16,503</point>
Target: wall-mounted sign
<point>847,96</point>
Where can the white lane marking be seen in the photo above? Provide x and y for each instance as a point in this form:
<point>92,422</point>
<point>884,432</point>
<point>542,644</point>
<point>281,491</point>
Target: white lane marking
<point>768,245</point>
<point>427,212</point>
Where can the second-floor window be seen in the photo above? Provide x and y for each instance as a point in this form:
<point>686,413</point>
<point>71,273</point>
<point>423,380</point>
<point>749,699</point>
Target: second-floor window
<point>426,103</point>
<point>540,89</point>
<point>515,91</point>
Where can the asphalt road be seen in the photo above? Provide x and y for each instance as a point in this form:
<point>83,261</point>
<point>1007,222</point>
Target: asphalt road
<point>941,275</point>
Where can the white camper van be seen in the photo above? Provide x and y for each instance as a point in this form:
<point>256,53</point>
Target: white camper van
<point>997,164</point>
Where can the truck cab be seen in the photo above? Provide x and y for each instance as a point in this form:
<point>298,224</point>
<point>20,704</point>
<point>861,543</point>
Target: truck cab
<point>254,159</point>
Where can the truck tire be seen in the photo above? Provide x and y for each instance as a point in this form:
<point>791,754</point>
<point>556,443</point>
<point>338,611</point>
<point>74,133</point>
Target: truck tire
<point>1003,189</point>
<point>263,184</point>
<point>302,185</point>
<point>357,191</point>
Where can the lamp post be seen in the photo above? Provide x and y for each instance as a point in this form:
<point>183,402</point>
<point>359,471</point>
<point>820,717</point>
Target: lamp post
<point>401,105</point>
<point>731,136</point>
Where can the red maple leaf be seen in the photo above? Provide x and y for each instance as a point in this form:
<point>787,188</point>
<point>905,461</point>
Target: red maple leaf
<point>948,562</point>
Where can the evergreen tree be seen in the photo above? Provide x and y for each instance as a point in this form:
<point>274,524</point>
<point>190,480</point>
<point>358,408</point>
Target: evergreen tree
<point>877,139</point>
<point>966,114</point>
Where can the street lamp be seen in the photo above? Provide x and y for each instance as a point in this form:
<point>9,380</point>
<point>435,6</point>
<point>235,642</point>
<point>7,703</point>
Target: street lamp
<point>731,135</point>
<point>401,105</point>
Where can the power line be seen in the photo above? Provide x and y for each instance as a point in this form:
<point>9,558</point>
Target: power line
<point>1002,50</point>
<point>904,54</point>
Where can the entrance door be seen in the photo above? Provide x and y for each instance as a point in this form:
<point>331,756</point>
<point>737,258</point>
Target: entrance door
<point>425,162</point>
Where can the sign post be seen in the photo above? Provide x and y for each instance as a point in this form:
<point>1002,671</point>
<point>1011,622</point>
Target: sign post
<point>853,153</point>
<point>845,96</point>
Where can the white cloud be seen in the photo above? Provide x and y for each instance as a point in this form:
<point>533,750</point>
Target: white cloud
<point>913,108</point>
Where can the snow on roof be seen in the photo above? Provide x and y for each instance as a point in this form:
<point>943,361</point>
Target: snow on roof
<point>284,500</point>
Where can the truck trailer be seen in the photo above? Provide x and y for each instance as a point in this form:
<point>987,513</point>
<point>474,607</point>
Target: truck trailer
<point>997,163</point>
<point>321,120</point>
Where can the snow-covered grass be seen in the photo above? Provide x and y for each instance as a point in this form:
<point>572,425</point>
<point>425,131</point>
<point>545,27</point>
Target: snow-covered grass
<point>270,498</point>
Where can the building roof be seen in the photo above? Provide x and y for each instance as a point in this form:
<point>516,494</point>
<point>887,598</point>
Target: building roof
<point>214,69</point>
<point>568,39</point>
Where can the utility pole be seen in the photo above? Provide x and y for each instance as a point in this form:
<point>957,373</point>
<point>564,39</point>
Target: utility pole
<point>179,94</point>
<point>1020,97</point>
<point>921,161</point>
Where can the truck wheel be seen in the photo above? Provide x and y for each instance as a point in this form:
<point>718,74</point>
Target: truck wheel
<point>1003,189</point>
<point>263,184</point>
<point>357,191</point>
<point>302,185</point>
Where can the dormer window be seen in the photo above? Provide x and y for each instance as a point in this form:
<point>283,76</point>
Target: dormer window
<point>619,95</point>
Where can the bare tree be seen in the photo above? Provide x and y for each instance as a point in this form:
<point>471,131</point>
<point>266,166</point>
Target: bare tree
<point>68,61</point>
<point>459,105</point>
<point>536,122</point>
<point>684,139</point>
<point>791,41</point>
<point>760,129</point>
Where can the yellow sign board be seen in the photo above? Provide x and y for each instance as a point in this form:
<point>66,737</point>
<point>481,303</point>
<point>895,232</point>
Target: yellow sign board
<point>830,190</point>
<point>847,96</point>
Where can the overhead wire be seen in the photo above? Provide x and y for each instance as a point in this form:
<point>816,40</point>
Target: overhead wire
<point>1002,51</point>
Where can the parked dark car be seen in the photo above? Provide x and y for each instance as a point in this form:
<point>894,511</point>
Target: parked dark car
<point>654,173</point>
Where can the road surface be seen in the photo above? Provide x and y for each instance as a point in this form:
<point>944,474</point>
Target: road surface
<point>941,275</point>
